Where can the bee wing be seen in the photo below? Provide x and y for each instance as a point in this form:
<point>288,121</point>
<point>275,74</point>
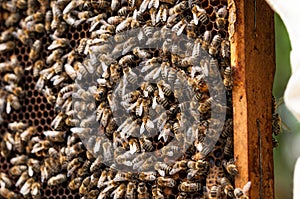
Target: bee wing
<point>161,172</point>
<point>71,6</point>
<point>133,148</point>
<point>247,186</point>
<point>149,124</point>
<point>142,129</point>
<point>70,71</point>
<point>144,5</point>
<point>156,4</point>
<point>157,72</point>
<point>158,16</point>
<point>154,103</point>
<point>191,173</point>
<point>8,107</point>
<point>165,15</point>
<point>181,29</point>
<point>160,92</point>
<point>140,110</point>
<point>164,134</point>
<point>153,18</point>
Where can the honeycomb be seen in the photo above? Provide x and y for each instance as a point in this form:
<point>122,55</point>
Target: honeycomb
<point>39,110</point>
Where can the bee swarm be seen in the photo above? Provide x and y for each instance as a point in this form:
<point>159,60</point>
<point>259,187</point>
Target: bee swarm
<point>46,56</point>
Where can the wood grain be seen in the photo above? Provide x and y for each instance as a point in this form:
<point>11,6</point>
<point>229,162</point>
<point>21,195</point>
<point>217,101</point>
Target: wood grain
<point>253,61</point>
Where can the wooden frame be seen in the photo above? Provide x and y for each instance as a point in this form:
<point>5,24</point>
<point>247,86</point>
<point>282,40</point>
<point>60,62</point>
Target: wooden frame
<point>253,61</point>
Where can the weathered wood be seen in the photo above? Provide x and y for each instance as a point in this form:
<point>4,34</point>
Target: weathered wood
<point>253,60</point>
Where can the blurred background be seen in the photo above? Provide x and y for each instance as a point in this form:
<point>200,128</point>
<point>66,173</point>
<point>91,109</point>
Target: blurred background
<point>285,155</point>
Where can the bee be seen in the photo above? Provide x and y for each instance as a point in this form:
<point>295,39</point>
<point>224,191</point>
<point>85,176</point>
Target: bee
<point>13,19</point>
<point>36,190</point>
<point>141,53</point>
<point>190,30</point>
<point>115,4</point>
<point>230,167</point>
<point>166,182</point>
<point>73,166</point>
<point>215,192</point>
<point>12,102</point>
<point>119,191</point>
<point>205,106</point>
<point>199,14</point>
<point>147,176</point>
<point>228,81</point>
<point>84,187</point>
<point>11,78</point>
<point>220,18</point>
<point>4,179</point>
<point>72,5</point>
<point>241,193</point>
<point>179,8</point>
<point>75,183</point>
<point>178,166</point>
<point>48,20</point>
<point>6,193</point>
<point>17,170</point>
<point>25,189</point>
<point>58,122</point>
<point>227,187</point>
<point>56,180</point>
<point>182,195</point>
<point>130,190</point>
<point>206,40</point>
<point>179,27</point>
<point>146,144</point>
<point>215,43</point>
<point>40,146</point>
<point>59,43</point>
<point>190,187</point>
<point>228,146</point>
<point>162,14</point>
<point>157,193</point>
<point>54,56</point>
<point>125,11</point>
<point>142,191</point>
<point>6,47</point>
<point>28,133</point>
<point>14,89</point>
<point>22,179</point>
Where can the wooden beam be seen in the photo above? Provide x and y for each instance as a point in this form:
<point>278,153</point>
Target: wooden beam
<point>253,62</point>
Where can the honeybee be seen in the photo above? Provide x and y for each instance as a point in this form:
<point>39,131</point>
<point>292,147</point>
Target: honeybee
<point>142,191</point>
<point>206,40</point>
<point>157,193</point>
<point>166,182</point>
<point>72,5</point>
<point>182,195</point>
<point>215,43</point>
<point>199,14</point>
<point>22,179</point>
<point>59,43</point>
<point>179,27</point>
<point>227,187</point>
<point>56,180</point>
<point>190,187</point>
<point>48,20</point>
<point>73,166</point>
<point>75,183</point>
<point>12,19</point>
<point>241,193</point>
<point>215,192</point>
<point>206,105</point>
<point>12,102</point>
<point>6,193</point>
<point>119,191</point>
<point>221,15</point>
<point>230,167</point>
<point>178,166</point>
<point>84,187</point>
<point>130,190</point>
<point>35,190</point>
<point>11,78</point>
<point>179,8</point>
<point>147,176</point>
<point>5,180</point>
<point>25,189</point>
<point>228,146</point>
<point>162,14</point>
<point>115,4</point>
<point>55,55</point>
<point>228,81</point>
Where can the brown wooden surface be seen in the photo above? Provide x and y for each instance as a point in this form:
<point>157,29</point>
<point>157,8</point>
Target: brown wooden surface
<point>253,60</point>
